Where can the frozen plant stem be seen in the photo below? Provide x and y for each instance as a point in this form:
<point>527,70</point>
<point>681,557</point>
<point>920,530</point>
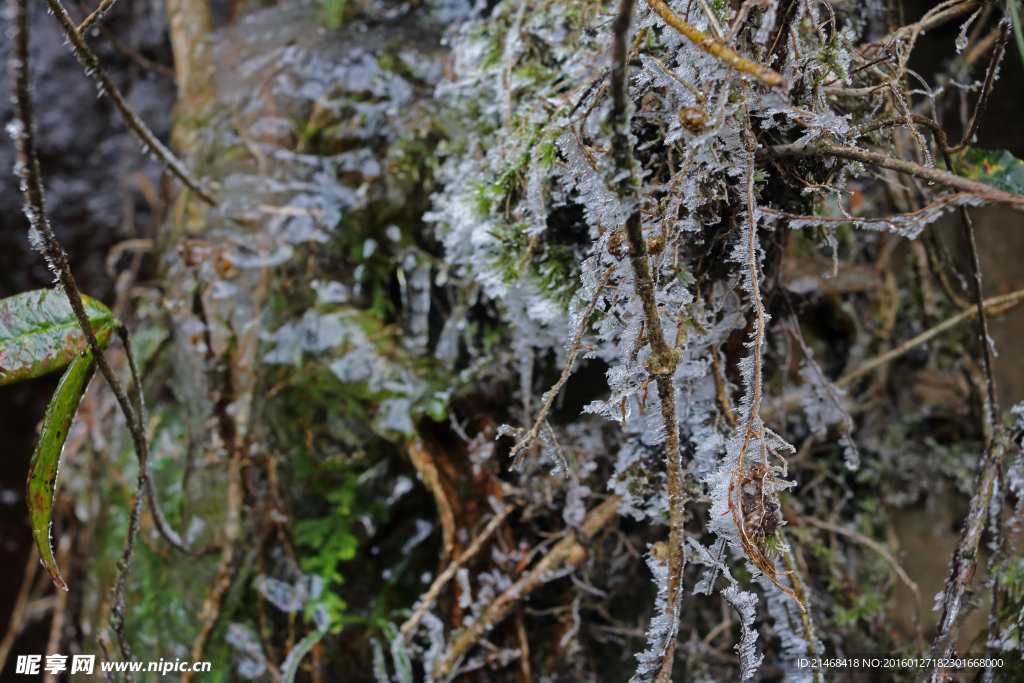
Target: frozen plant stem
<point>663,359</point>
<point>92,66</point>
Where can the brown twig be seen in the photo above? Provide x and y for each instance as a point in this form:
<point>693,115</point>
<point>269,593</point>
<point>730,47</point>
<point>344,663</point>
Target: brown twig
<point>569,548</point>
<point>830,149</point>
<point>755,484</point>
<point>426,601</point>
<point>92,65</point>
<point>663,359</point>
<point>715,48</point>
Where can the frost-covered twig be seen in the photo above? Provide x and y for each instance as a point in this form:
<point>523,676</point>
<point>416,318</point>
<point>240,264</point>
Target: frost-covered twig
<point>569,549</point>
<point>826,148</point>
<point>663,359</point>
<point>750,497</point>
<point>426,601</point>
<point>713,47</point>
<point>540,425</point>
<point>92,66</point>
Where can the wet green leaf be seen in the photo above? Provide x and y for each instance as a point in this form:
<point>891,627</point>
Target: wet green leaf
<point>42,472</point>
<point>39,333</point>
<point>997,168</point>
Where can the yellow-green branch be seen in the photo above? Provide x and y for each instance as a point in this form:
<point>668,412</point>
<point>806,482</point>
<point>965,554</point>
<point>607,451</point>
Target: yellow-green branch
<point>713,47</point>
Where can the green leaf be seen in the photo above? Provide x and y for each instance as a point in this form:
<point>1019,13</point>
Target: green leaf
<point>39,333</point>
<point>997,168</point>
<point>42,471</point>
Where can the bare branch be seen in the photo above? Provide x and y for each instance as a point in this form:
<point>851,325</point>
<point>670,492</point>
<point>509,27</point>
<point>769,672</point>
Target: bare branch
<point>92,66</point>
